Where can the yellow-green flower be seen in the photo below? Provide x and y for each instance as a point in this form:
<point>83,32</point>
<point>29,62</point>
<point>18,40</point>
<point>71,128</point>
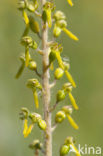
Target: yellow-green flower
<point>73,101</point>
<point>42,124</point>
<point>49,19</point>
<point>25,16</point>
<point>35,94</point>
<point>27,130</point>
<point>70,2</point>
<point>58,73</point>
<point>75,149</point>
<point>70,78</point>
<point>70,34</point>
<point>27,56</point>
<point>59,59</point>
<point>72,122</point>
<point>25,126</point>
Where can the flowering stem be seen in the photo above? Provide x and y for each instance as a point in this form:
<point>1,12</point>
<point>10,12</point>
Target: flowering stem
<point>46,89</point>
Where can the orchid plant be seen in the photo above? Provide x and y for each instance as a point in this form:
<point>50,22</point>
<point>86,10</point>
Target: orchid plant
<point>51,51</point>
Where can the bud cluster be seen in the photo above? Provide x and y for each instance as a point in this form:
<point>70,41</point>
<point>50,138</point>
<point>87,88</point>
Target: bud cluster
<point>35,118</point>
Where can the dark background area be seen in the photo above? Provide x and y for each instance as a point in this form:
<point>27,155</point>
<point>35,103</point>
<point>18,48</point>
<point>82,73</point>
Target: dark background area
<point>85,20</point>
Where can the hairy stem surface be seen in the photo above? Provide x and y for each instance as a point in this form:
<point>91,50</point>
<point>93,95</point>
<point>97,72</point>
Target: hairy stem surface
<point>46,89</point>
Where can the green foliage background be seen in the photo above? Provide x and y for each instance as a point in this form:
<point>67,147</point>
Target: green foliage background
<point>85,19</point>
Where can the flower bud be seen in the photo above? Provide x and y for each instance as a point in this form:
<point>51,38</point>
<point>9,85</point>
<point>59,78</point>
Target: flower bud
<point>60,116</point>
<point>34,25</point>
<point>34,45</point>
<point>36,145</point>
<point>34,83</point>
<point>35,117</point>
<point>44,16</point>
<point>52,56</point>
<point>32,6</point>
<point>59,15</point>
<point>32,65</point>
<point>25,110</point>
<point>21,5</point>
<point>42,124</point>
<point>61,23</point>
<point>64,150</point>
<point>26,41</point>
<point>67,87</point>
<point>56,31</point>
<point>69,140</point>
<point>24,113</point>
<point>60,95</point>
<point>67,109</point>
<point>58,73</point>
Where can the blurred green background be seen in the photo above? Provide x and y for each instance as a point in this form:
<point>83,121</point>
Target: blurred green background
<point>85,19</point>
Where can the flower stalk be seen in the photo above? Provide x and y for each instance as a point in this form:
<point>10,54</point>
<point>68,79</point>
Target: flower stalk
<point>46,88</point>
<point>50,52</point>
